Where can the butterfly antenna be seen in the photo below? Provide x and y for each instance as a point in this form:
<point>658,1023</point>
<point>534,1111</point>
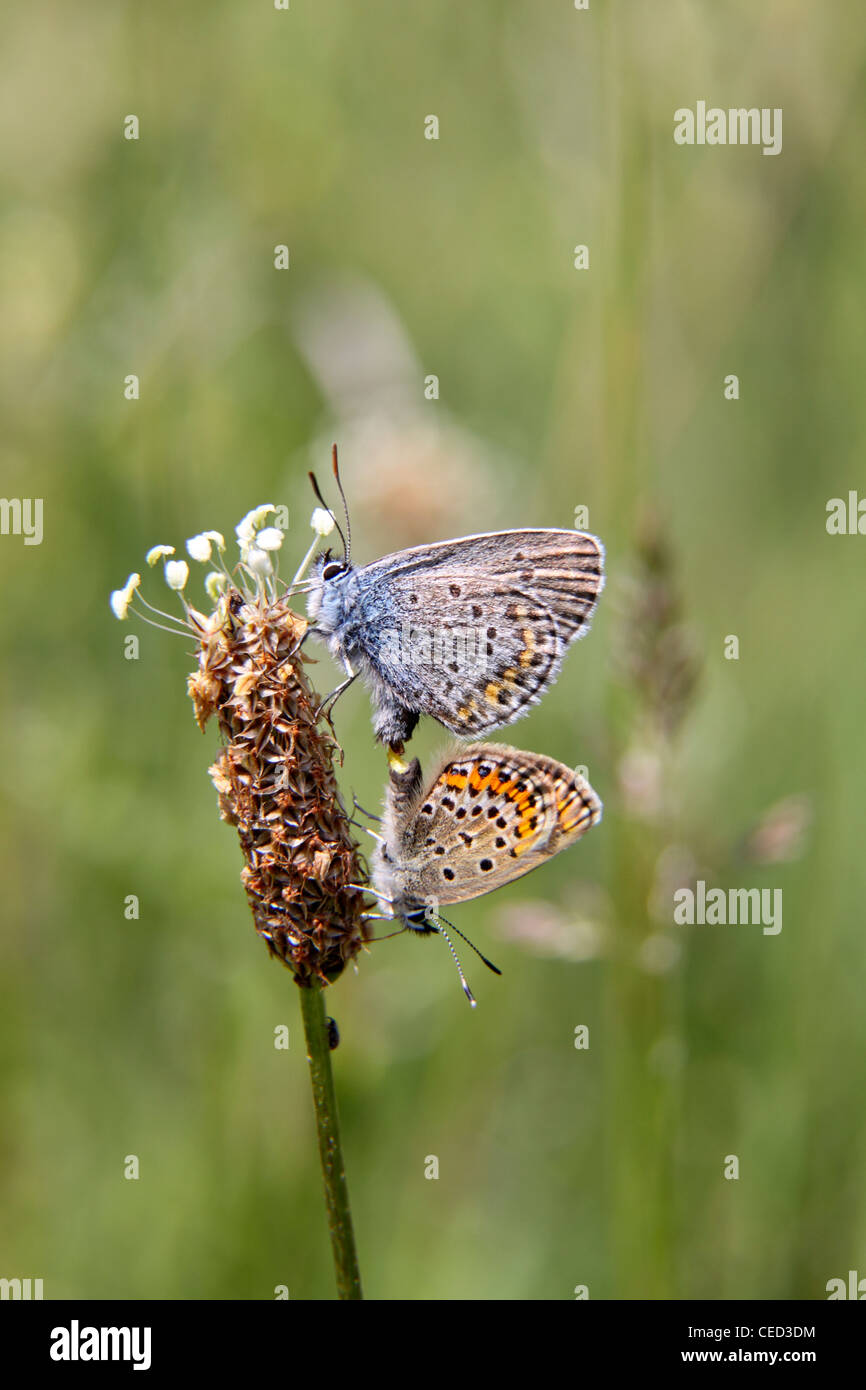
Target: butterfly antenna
<point>437,926</point>
<point>336,468</point>
<point>488,963</point>
<point>317,490</point>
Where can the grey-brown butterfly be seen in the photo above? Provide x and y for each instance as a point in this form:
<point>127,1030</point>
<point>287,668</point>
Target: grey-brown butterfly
<point>471,631</point>
<point>486,816</point>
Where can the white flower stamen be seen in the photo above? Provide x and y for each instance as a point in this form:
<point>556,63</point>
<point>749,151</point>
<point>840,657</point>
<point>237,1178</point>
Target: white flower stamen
<point>246,529</point>
<point>199,548</point>
<point>121,598</point>
<point>258,562</point>
<point>322,522</point>
<point>156,552</point>
<point>176,574</point>
<point>271,538</point>
<point>215,585</point>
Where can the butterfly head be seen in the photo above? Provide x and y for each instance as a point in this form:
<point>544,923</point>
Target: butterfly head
<point>325,598</point>
<point>419,920</point>
<point>331,567</point>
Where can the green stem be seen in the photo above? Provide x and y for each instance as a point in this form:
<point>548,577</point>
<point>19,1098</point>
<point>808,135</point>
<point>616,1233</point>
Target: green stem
<point>330,1151</point>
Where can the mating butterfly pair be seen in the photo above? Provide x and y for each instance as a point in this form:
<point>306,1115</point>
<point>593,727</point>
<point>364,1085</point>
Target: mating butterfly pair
<point>470,631</point>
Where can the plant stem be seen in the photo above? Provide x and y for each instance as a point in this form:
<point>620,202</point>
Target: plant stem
<point>330,1151</point>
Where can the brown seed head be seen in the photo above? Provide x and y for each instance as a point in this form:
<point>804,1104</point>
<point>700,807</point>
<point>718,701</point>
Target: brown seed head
<point>275,781</point>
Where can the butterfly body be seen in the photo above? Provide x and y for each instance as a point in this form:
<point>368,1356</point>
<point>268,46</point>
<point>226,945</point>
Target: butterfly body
<point>487,816</point>
<point>354,611</point>
<point>470,631</point>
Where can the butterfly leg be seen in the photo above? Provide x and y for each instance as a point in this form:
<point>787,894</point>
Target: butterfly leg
<point>331,700</point>
<point>358,807</point>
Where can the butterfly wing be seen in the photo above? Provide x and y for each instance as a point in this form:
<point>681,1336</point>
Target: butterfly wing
<point>488,817</point>
<point>473,630</point>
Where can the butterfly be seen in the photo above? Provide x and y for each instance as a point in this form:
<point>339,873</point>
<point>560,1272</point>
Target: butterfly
<point>488,815</point>
<point>471,631</point>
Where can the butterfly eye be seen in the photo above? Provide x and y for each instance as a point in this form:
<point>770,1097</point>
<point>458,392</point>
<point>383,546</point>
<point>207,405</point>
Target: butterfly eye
<point>418,920</point>
<point>333,569</point>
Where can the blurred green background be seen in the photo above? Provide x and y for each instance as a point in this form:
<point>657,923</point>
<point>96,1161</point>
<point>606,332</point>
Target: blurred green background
<point>559,388</point>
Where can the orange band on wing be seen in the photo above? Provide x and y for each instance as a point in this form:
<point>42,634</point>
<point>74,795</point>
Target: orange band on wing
<point>567,809</point>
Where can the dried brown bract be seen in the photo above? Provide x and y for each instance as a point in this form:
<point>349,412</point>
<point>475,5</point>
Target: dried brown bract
<point>276,785</point>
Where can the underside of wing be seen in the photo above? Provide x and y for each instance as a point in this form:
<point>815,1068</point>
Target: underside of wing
<point>473,662</point>
<point>483,822</point>
<point>564,568</point>
<point>477,627</point>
